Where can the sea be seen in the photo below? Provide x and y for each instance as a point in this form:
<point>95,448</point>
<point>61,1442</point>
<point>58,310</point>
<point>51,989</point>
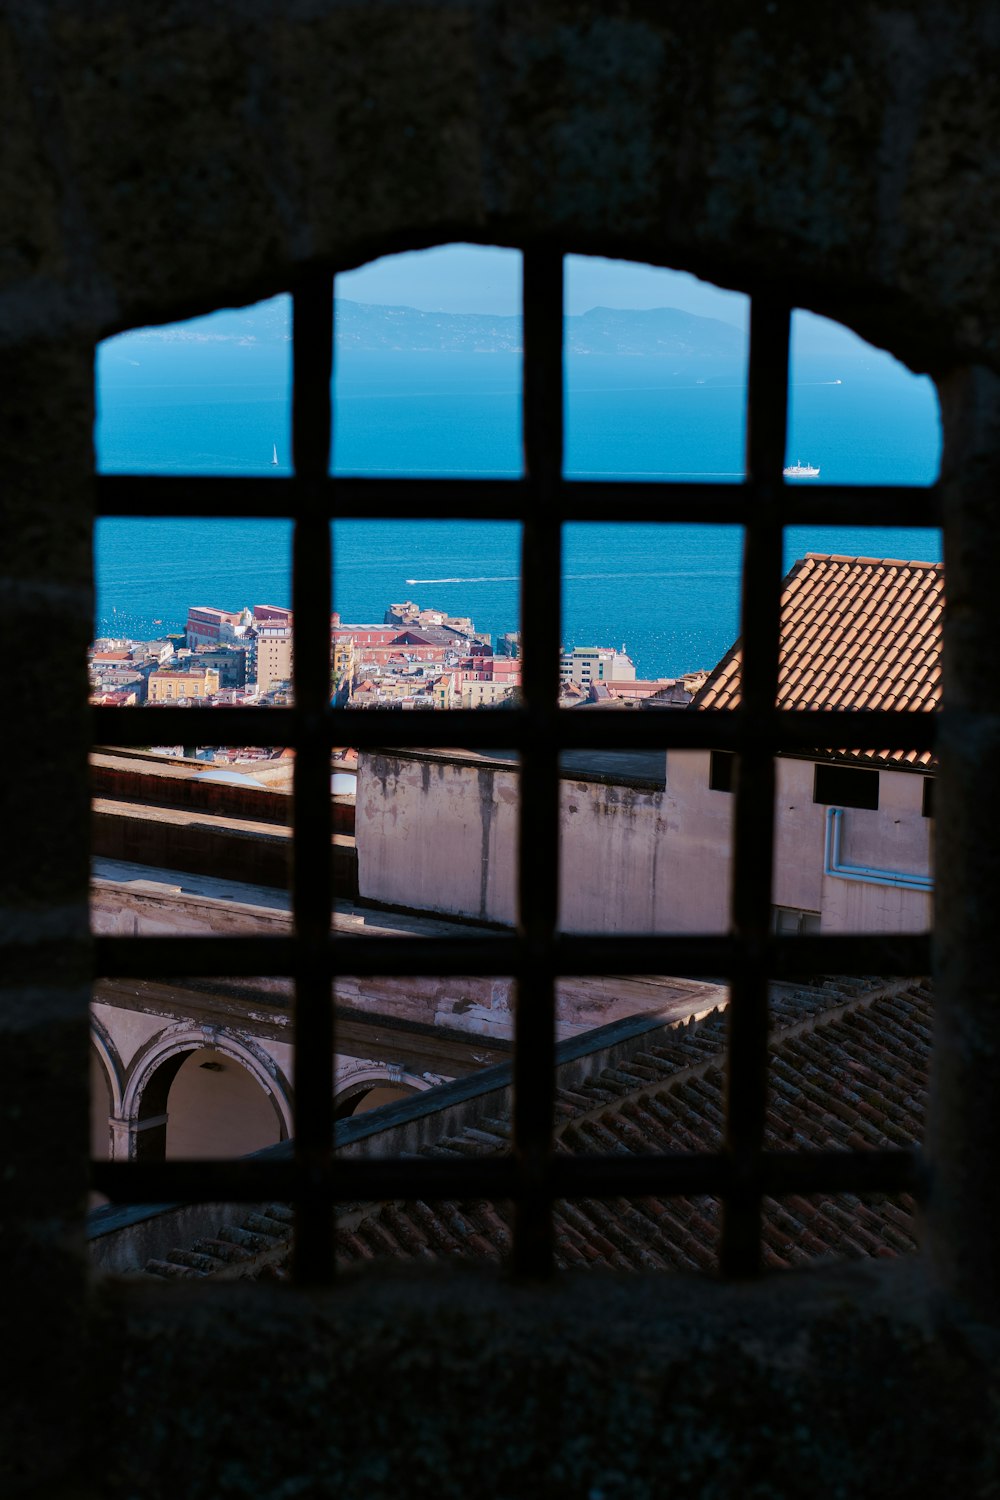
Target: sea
<point>669,594</point>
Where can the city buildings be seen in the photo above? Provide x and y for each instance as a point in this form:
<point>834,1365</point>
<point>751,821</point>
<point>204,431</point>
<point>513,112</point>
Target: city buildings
<point>459,626</point>
<point>421,658</point>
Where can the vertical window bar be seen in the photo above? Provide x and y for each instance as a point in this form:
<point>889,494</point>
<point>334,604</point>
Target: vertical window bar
<point>538,843</point>
<point>753,814</point>
<point>312,891</point>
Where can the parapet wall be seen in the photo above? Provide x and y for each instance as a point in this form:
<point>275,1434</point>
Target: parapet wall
<point>124,776</point>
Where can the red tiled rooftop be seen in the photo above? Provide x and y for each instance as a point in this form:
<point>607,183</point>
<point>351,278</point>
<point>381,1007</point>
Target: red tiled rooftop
<point>848,1071</point>
<point>856,632</point>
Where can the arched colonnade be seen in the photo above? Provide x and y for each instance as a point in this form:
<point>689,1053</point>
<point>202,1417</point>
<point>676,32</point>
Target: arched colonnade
<point>196,1090</point>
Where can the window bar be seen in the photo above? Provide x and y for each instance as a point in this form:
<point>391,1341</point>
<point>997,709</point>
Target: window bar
<point>538,840</point>
<point>753,814</point>
<point>541,501</point>
<point>503,500</point>
<point>312,892</point>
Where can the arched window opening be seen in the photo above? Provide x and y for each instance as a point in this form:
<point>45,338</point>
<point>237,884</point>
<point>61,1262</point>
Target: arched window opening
<point>702,524</point>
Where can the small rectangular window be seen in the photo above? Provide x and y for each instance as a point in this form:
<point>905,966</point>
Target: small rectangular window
<point>843,786</point>
<point>794,920</point>
<point>928,803</point>
<point>721,771</point>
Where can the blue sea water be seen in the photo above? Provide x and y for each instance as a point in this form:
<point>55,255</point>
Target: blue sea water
<point>669,593</point>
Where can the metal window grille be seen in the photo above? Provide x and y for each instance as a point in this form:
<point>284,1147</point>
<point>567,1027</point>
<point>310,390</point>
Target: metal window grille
<point>741,1173</point>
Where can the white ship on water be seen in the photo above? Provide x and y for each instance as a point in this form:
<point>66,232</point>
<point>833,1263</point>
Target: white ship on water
<point>800,470</point>
<point>274,458</point>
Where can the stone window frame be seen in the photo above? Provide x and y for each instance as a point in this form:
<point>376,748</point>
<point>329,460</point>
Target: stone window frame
<point>742,1173</point>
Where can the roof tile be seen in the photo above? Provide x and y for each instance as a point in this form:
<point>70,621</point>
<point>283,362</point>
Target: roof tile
<point>857,632</point>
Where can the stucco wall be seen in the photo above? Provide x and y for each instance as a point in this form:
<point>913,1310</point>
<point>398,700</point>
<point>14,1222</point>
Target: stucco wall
<point>697,848</point>
<point>895,837</point>
<point>441,835</point>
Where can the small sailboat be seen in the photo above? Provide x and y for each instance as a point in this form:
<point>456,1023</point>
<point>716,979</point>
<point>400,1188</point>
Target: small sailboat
<point>274,460</point>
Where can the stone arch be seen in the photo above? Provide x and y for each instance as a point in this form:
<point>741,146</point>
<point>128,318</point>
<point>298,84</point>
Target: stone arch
<point>110,1059</point>
<point>147,1089</point>
<point>106,1073</point>
<point>351,1087</point>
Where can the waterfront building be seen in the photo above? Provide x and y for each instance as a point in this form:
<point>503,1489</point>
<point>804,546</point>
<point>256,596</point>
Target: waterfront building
<point>459,626</point>
<point>591,664</point>
<point>193,681</point>
<point>207,626</point>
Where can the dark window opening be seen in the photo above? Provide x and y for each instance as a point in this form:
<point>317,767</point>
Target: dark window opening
<point>722,771</point>
<point>793,919</point>
<point>842,786</point>
<point>927,807</point>
<point>543,502</point>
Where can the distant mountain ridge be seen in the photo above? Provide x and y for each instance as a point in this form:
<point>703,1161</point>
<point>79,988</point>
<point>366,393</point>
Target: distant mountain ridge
<point>664,332</point>
<point>655,332</point>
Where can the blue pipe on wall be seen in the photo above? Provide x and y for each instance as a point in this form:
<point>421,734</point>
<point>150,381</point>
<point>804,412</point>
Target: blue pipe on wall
<point>835,867</point>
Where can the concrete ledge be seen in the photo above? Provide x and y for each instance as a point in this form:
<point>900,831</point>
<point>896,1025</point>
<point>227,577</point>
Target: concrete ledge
<point>803,1384</point>
<point>208,844</point>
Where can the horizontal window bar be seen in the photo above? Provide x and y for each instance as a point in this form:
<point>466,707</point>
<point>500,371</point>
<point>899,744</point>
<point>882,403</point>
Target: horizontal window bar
<point>483,730</point>
<point>351,1179</point>
<point>780,1172</point>
<point>193,957</point>
<point>721,504</point>
<point>508,500</point>
<point>380,499</point>
<point>808,1172</point>
<point>892,954</point>
<point>854,505</point>
<point>902,954</point>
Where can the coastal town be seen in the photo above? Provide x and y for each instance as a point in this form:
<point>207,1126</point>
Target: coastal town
<point>414,658</point>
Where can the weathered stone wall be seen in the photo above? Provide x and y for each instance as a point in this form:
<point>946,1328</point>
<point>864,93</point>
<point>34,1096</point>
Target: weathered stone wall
<point>160,162</point>
<point>440,833</point>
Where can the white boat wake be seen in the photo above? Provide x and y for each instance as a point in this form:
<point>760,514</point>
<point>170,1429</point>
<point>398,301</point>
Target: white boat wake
<point>589,577</point>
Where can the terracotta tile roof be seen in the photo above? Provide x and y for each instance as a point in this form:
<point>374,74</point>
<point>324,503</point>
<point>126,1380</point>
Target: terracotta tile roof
<point>856,632</point>
<point>849,1062</point>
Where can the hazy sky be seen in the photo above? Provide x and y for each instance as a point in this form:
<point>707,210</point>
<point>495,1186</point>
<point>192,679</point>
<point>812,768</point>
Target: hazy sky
<point>477,278</point>
<point>474,278</point>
